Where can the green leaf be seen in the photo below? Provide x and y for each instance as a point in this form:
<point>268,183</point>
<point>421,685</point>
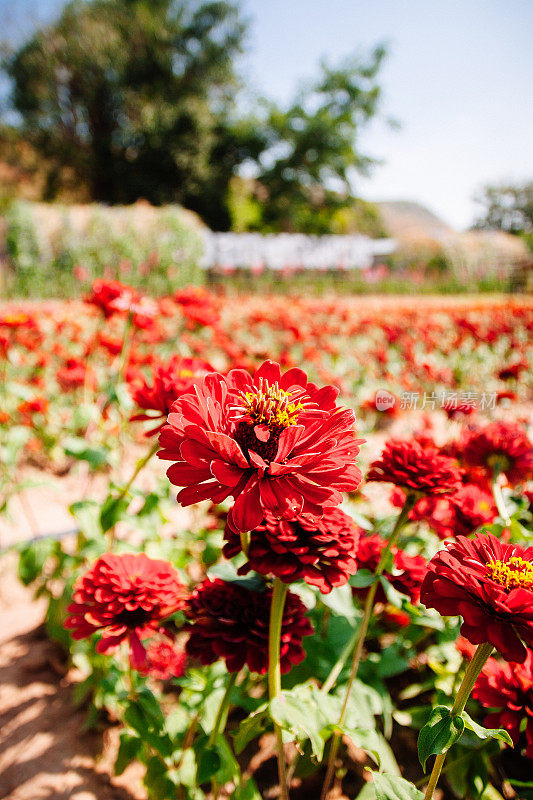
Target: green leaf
<point>362,579</point>
<point>486,733</point>
<point>227,572</point>
<point>298,716</point>
<point>246,791</point>
<point>208,764</point>
<point>340,601</point>
<point>129,749</point>
<point>439,733</point>
<point>391,787</point>
<point>78,448</point>
<point>250,728</point>
<point>367,740</point>
<point>32,559</point>
<point>394,597</point>
<point>112,511</point>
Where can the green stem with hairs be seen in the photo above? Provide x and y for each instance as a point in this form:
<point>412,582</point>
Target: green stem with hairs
<point>360,641</point>
<point>471,675</point>
<point>279,593</point>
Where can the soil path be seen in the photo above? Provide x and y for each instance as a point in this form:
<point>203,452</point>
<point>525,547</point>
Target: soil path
<point>43,753</point>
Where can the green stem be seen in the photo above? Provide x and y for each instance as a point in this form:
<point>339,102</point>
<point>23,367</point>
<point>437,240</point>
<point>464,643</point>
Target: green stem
<point>279,594</point>
<point>499,500</point>
<point>361,636</point>
<point>471,675</point>
<point>222,715</point>
<point>220,724</point>
<point>245,542</point>
<point>125,489</point>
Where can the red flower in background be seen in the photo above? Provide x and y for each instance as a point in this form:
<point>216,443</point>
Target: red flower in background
<point>73,374</point>
<point>164,660</point>
<point>229,621</point>
<point>111,297</point>
<point>407,574</point>
<point>472,507</point>
<point>125,597</point>
<point>501,445</point>
<point>169,381</point>
<point>490,585</point>
<point>508,689</point>
<point>321,552</point>
<point>416,467</point>
<point>274,442</point>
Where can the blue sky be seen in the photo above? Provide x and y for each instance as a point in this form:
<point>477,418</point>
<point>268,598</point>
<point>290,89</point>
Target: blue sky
<point>458,78</point>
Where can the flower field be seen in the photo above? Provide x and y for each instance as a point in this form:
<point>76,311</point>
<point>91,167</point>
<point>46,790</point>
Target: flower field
<point>294,556</point>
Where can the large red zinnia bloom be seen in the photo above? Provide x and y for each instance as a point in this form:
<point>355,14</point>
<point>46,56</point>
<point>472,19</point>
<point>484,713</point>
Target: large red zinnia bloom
<point>230,621</point>
<point>169,381</point>
<point>508,689</point>
<point>500,445</point>
<point>416,468</point>
<point>321,552</point>
<point>125,597</point>
<point>490,585</point>
<point>274,442</point>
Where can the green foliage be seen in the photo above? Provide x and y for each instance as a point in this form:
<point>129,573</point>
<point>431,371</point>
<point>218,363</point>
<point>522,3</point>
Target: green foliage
<point>160,249</point>
<point>439,733</point>
<point>507,207</point>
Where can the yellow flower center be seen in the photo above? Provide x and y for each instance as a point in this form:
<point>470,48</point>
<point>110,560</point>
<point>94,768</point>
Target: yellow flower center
<point>272,406</point>
<point>513,574</point>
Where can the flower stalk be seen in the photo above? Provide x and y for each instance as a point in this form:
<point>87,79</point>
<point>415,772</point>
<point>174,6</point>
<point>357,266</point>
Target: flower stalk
<point>279,594</point>
<point>471,675</point>
<point>499,499</point>
<point>359,644</point>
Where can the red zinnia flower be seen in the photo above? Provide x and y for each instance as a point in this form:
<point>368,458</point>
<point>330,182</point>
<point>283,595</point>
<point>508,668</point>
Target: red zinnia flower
<point>408,571</point>
<point>508,688</point>
<point>416,468</point>
<point>125,596</point>
<point>500,445</point>
<point>472,507</point>
<point>321,552</point>
<point>231,622</point>
<point>169,381</point>
<point>163,660</point>
<point>111,296</point>
<point>275,442</point>
<point>73,374</point>
<point>490,585</point>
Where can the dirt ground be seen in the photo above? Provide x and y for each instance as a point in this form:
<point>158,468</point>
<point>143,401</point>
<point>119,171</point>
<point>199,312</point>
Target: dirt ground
<point>44,755</point>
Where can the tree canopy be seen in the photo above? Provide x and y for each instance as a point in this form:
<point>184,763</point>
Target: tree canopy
<point>140,98</point>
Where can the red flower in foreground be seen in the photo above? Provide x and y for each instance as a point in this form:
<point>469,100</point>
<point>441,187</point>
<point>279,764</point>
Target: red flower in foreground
<point>163,660</point>
<point>508,689</point>
<point>169,381</point>
<point>321,552</point>
<point>490,585</point>
<point>501,445</point>
<point>407,574</point>
<point>231,622</point>
<point>416,468</point>
<point>125,597</point>
<point>274,442</point>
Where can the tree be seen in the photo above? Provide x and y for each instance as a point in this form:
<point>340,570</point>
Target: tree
<point>507,207</point>
<point>134,96</point>
<point>138,98</point>
<point>312,149</point>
